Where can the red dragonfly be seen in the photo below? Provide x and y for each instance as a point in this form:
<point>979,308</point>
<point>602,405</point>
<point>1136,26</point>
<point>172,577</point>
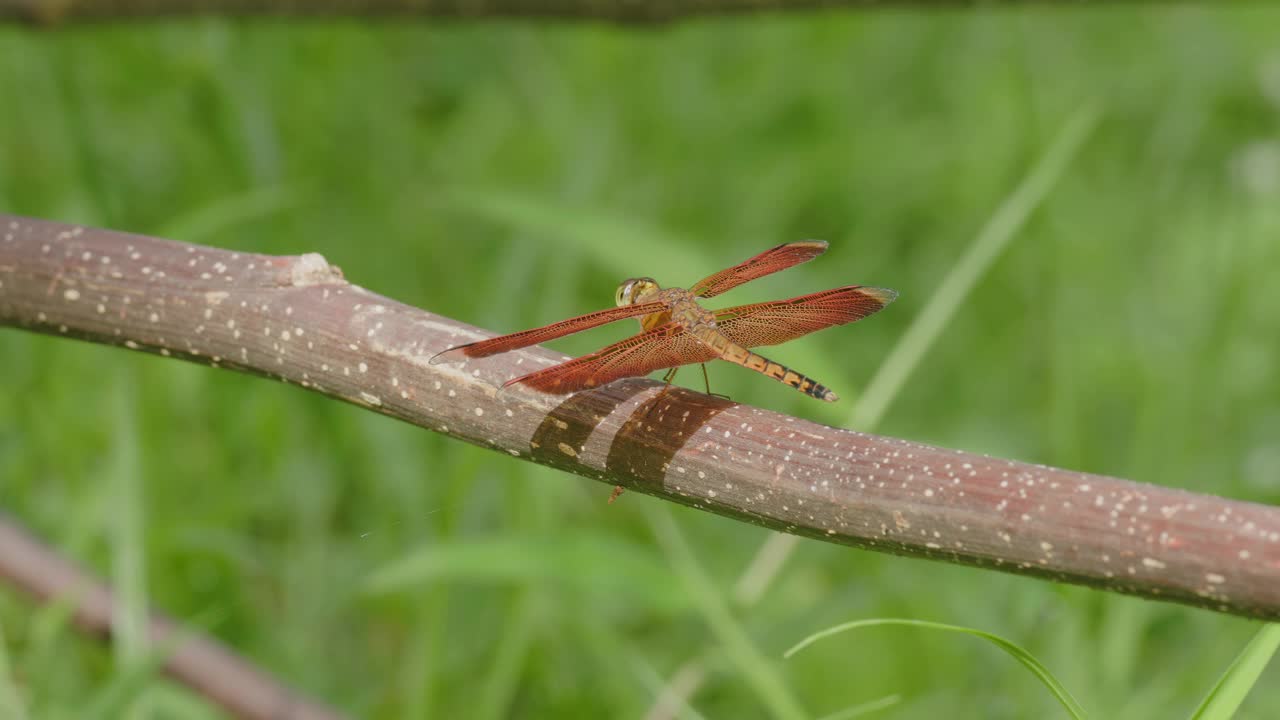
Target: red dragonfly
<point>678,331</point>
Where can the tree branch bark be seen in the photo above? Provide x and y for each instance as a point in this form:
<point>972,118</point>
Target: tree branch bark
<point>297,320</point>
<point>191,657</point>
<point>55,12</point>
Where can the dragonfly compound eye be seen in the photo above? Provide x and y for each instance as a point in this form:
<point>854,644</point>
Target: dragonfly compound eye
<point>629,292</point>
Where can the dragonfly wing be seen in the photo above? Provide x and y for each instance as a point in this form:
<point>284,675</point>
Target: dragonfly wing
<point>771,323</point>
<point>525,338</point>
<point>766,263</point>
<point>663,347</point>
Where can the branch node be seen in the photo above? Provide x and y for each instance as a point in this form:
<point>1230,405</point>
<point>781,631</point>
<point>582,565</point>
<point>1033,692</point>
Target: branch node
<point>312,269</point>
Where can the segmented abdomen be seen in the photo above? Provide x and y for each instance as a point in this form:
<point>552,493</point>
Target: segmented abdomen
<point>752,361</point>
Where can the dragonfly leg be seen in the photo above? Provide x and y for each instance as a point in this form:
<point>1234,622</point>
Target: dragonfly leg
<point>707,382</point>
<point>653,403</point>
<point>666,379</point>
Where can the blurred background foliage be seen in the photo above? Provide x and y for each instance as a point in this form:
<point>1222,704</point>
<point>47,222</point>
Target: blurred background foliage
<point>510,174</point>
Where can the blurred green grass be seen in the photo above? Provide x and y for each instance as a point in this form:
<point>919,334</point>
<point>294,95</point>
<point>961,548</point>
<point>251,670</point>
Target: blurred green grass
<point>508,174</point>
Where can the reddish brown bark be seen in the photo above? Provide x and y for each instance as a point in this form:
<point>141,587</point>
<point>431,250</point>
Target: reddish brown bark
<point>297,320</point>
<point>649,12</point>
<point>191,657</point>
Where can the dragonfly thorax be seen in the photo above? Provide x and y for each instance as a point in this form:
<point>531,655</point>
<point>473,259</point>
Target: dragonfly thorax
<point>637,290</point>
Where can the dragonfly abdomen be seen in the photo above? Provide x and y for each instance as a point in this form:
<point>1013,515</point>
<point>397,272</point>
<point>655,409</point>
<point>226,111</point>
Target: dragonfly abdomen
<point>739,355</point>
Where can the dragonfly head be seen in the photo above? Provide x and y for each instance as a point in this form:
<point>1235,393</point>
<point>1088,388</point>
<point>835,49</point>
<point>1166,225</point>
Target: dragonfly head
<point>636,290</point>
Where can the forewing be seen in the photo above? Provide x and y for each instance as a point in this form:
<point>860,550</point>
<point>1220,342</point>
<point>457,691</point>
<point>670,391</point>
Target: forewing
<point>771,323</point>
<point>525,338</point>
<point>663,347</point>
<point>766,263</point>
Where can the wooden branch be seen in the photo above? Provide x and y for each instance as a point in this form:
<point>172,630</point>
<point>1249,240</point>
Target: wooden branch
<point>297,320</point>
<point>192,658</point>
<point>53,12</point>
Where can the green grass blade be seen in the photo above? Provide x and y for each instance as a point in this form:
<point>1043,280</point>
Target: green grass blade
<point>671,696</point>
<point>622,570</point>
<point>1027,659</point>
<point>510,660</point>
<point>48,634</point>
<point>127,543</point>
<point>119,697</point>
<point>762,675</point>
<point>990,242</point>
<point>129,691</point>
<point>865,708</point>
<point>11,705</point>
<point>1226,695</point>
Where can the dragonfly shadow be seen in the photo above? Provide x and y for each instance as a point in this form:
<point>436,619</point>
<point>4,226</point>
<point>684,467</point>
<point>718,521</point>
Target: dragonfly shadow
<point>640,453</point>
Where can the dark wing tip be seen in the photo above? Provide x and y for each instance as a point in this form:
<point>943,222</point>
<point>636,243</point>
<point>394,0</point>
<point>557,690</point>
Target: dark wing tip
<point>539,383</point>
<point>453,354</point>
<point>883,295</point>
